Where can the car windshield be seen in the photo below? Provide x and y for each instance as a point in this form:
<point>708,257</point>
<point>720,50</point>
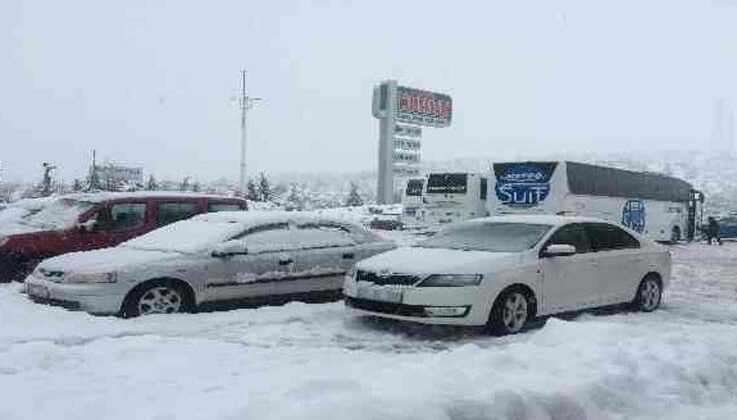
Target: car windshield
<point>187,236</point>
<point>57,214</point>
<point>488,236</point>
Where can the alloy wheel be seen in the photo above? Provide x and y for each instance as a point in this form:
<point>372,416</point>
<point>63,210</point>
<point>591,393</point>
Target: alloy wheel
<point>514,312</point>
<point>649,295</point>
<point>160,300</point>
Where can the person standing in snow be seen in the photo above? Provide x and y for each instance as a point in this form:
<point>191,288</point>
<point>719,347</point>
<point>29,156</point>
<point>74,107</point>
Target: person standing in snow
<point>712,231</point>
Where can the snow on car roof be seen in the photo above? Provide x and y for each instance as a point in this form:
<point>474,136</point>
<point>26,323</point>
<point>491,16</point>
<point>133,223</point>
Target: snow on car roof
<point>104,196</point>
<point>542,219</point>
<point>254,218</point>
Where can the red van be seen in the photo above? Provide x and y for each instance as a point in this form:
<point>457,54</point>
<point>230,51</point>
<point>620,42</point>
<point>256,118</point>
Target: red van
<point>32,230</point>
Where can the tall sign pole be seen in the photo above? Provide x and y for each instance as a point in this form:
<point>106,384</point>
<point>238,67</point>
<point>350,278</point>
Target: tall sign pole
<point>246,103</point>
<point>401,112</point>
<point>385,187</point>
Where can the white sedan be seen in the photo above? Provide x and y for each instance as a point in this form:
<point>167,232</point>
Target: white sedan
<point>500,272</point>
<point>210,258</point>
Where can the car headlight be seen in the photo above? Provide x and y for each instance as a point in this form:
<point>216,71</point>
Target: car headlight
<point>451,280</point>
<point>91,278</point>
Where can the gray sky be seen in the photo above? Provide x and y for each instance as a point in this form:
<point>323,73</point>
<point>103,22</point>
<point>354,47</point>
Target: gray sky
<point>153,83</point>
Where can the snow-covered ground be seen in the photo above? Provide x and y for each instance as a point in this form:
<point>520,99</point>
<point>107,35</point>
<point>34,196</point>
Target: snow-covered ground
<point>315,361</point>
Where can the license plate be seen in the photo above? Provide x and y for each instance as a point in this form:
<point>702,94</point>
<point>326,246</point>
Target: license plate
<point>38,290</point>
<point>384,294</point>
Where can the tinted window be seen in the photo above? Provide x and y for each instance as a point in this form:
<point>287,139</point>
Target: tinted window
<point>215,207</point>
<point>571,235</point>
<point>604,236</point>
<point>123,216</point>
<point>174,212</point>
<point>492,237</point>
<point>484,186</point>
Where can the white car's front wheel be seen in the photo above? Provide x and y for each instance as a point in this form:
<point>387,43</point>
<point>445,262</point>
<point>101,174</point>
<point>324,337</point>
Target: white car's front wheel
<point>510,312</point>
<point>156,297</point>
<point>649,294</point>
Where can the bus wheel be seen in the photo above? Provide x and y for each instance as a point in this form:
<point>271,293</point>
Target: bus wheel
<point>675,234</point>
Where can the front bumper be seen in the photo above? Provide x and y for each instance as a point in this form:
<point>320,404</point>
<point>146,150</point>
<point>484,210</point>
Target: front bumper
<point>95,298</point>
<point>419,303</point>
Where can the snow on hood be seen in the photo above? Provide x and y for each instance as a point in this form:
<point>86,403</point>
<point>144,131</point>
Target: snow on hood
<point>417,260</point>
<point>105,260</point>
<point>38,215</point>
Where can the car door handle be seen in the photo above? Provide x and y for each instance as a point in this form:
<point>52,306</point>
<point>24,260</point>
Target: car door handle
<point>349,256</point>
<point>285,261</point>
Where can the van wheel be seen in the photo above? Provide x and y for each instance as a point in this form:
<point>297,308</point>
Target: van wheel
<point>157,297</point>
<point>649,294</point>
<point>675,234</point>
<point>510,312</point>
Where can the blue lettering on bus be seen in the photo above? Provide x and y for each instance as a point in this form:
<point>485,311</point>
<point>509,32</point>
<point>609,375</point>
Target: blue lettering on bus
<point>633,215</point>
<point>522,185</point>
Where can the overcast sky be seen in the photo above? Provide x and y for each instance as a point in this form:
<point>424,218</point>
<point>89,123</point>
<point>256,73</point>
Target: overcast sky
<point>154,83</point>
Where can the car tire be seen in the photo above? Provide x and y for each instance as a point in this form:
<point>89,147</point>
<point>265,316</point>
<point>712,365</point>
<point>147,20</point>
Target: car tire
<point>157,297</point>
<point>649,294</point>
<point>510,313</point>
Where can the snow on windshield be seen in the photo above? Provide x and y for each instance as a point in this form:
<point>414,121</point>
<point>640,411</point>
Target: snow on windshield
<point>492,237</point>
<point>36,215</point>
<point>187,236</point>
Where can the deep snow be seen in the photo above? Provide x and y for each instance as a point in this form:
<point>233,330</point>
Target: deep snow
<point>315,361</point>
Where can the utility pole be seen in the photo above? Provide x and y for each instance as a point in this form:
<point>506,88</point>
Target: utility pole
<point>246,103</point>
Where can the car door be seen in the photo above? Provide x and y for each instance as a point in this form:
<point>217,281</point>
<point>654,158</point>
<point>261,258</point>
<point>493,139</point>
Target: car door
<point>570,282</point>
<point>326,252</point>
<point>267,261</point>
<point>621,264</point>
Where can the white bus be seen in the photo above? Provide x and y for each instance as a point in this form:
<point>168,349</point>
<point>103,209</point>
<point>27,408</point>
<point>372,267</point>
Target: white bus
<point>658,206</point>
<point>451,197</point>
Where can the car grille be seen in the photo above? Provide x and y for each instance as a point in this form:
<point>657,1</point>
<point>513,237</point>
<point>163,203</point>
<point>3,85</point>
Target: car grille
<point>384,279</point>
<point>386,307</point>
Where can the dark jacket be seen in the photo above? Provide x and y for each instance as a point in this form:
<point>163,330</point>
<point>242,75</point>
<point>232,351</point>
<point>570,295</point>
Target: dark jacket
<point>713,229</point>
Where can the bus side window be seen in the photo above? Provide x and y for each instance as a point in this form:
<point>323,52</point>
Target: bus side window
<point>483,188</point>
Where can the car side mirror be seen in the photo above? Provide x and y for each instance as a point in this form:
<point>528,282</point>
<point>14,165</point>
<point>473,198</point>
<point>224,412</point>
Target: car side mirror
<point>559,250</point>
<point>228,249</point>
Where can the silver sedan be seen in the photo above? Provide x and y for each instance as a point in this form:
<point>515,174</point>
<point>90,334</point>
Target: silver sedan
<point>210,258</point>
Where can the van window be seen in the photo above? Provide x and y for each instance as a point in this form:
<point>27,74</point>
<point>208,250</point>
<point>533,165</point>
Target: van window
<point>122,216</point>
<point>215,207</point>
<point>174,212</point>
<point>484,186</point>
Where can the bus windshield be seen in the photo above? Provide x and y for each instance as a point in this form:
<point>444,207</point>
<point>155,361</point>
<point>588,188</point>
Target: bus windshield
<point>414,187</point>
<point>447,183</point>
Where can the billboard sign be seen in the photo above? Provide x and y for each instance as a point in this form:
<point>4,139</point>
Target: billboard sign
<point>402,111</point>
<point>421,107</point>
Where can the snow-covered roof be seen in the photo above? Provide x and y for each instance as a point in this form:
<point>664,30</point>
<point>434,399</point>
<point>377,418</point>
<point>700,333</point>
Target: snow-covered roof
<point>104,196</point>
<point>255,218</point>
